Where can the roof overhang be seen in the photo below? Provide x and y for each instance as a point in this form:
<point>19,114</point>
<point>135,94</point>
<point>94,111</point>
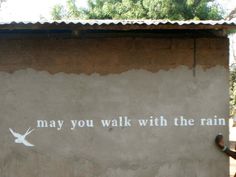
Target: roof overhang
<point>120,25</point>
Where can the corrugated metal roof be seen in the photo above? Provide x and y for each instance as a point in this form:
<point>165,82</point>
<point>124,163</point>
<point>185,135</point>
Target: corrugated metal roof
<point>127,22</point>
<point>120,24</point>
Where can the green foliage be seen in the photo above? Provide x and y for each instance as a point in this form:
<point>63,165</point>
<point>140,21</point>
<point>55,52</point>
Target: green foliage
<point>232,90</point>
<point>71,11</point>
<point>57,12</point>
<point>142,9</point>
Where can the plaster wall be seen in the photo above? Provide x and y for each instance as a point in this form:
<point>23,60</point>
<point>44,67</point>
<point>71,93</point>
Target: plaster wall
<point>102,79</point>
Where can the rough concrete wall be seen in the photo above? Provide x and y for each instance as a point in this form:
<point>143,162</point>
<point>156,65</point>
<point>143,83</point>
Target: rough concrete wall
<point>110,55</point>
<point>27,95</point>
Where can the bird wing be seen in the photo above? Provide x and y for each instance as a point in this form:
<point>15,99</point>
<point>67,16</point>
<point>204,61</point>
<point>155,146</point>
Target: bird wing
<point>17,135</point>
<point>28,132</point>
<point>26,143</point>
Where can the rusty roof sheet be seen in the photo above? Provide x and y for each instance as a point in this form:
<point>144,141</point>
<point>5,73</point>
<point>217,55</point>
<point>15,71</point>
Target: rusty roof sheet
<point>121,24</point>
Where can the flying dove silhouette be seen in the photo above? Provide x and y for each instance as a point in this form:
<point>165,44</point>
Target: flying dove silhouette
<point>21,138</point>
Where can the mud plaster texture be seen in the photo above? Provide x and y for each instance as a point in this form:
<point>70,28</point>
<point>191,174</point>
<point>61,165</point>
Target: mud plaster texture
<point>111,55</point>
<point>45,83</point>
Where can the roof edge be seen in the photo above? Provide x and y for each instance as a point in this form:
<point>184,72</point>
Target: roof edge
<point>120,24</point>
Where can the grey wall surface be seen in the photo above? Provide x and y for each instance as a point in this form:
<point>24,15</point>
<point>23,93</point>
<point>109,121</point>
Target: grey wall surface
<point>27,95</point>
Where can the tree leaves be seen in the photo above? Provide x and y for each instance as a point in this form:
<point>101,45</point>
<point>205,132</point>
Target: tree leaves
<point>141,9</point>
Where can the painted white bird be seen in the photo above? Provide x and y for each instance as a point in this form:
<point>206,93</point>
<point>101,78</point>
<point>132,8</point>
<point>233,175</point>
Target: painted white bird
<point>21,138</point>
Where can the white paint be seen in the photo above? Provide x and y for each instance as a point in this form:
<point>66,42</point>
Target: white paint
<point>81,123</point>
<point>212,121</point>
<point>120,122</point>
<point>58,124</point>
<point>153,121</point>
<point>181,121</point>
<point>21,138</point>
